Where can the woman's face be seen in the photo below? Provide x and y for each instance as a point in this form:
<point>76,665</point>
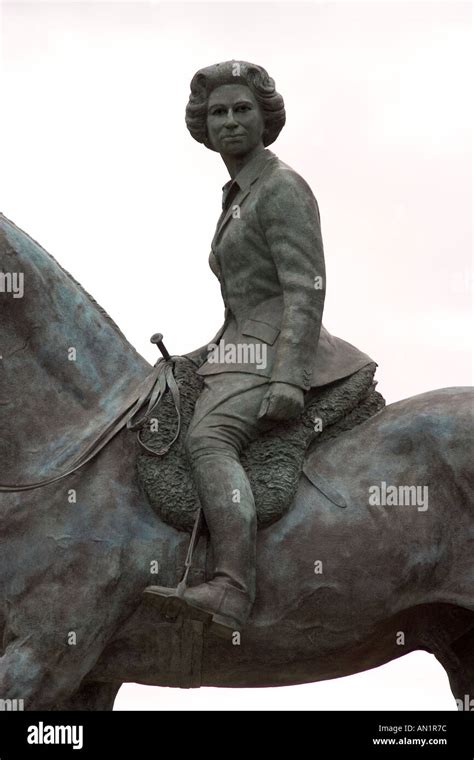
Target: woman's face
<point>234,120</point>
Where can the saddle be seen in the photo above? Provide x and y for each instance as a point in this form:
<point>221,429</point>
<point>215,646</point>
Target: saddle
<point>273,461</point>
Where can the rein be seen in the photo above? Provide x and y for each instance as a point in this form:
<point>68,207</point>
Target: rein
<point>157,383</point>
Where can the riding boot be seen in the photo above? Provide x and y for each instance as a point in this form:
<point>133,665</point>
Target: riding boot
<point>229,508</point>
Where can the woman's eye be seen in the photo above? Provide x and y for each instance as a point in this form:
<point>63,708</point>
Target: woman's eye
<point>243,108</point>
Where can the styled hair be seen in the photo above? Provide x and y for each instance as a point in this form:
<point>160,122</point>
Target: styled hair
<point>234,72</point>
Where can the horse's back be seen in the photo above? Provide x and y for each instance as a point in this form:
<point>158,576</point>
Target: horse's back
<point>438,422</point>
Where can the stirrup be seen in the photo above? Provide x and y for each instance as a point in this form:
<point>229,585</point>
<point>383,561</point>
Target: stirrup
<point>171,603</point>
<point>169,599</point>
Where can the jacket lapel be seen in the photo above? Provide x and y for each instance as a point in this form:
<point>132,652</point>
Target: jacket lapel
<point>227,215</point>
<point>246,178</point>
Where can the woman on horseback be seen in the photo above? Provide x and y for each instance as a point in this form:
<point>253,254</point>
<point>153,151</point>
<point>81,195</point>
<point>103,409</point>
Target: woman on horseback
<point>267,253</point>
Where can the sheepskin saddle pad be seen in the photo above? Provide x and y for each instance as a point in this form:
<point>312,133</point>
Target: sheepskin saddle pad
<point>273,462</point>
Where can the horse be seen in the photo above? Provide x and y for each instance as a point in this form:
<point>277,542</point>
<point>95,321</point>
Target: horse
<point>339,590</point>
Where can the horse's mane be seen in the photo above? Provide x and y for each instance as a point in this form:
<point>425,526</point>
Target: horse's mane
<point>94,303</point>
<point>70,398</point>
<point>81,288</point>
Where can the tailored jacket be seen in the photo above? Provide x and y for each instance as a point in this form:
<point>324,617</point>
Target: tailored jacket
<point>267,253</point>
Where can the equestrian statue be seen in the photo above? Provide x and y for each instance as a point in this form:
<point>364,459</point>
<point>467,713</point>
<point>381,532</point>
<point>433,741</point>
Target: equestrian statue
<point>248,514</point>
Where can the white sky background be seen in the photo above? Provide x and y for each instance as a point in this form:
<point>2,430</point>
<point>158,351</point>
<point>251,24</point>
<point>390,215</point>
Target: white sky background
<point>98,166</point>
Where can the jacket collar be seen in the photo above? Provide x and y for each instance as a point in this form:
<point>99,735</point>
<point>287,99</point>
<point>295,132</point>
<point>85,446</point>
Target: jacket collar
<point>244,180</point>
<point>250,172</point>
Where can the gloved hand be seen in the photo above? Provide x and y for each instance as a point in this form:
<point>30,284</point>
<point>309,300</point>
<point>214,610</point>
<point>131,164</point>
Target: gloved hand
<point>282,402</point>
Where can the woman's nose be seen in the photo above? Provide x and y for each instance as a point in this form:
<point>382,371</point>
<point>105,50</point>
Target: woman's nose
<point>230,118</point>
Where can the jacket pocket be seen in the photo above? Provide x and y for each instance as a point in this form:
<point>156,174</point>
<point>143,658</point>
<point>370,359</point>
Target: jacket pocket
<point>261,330</point>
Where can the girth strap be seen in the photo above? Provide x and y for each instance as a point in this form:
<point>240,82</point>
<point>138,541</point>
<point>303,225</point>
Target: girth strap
<point>154,387</point>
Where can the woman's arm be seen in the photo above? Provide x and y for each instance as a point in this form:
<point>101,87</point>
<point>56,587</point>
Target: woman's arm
<point>289,216</point>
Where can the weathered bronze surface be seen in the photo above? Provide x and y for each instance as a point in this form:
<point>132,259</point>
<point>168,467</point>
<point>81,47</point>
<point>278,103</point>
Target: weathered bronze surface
<point>323,592</point>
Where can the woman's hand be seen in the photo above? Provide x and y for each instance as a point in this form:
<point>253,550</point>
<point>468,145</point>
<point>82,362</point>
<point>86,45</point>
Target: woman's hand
<point>282,402</point>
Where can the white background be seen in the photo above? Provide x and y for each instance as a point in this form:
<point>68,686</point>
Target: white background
<point>97,165</point>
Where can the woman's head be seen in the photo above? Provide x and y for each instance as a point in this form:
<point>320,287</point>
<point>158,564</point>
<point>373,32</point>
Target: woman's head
<point>234,105</point>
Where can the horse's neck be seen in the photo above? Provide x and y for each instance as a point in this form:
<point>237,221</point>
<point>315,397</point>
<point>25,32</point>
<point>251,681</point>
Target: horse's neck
<point>65,367</point>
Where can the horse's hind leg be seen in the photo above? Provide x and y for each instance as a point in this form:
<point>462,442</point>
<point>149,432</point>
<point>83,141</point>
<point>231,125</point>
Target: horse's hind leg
<point>460,669</point>
<point>462,679</point>
<point>91,696</point>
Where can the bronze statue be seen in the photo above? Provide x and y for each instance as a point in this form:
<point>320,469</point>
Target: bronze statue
<point>347,580</point>
<point>267,253</point>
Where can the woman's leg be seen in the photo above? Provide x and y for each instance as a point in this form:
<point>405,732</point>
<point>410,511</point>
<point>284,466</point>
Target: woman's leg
<point>225,420</point>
